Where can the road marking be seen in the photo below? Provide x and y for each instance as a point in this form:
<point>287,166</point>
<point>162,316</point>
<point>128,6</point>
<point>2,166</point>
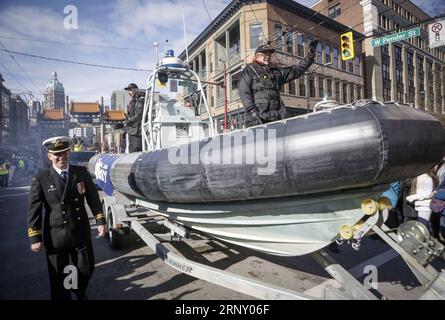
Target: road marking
<point>356,272</point>
<point>19,188</point>
<point>109,261</point>
<point>377,261</point>
<point>13,195</point>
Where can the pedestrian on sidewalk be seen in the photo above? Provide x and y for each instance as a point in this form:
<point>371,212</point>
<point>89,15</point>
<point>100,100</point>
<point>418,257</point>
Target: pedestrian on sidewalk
<point>422,191</point>
<point>437,205</point>
<point>4,173</point>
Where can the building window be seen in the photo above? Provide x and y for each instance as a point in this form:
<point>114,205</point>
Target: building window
<point>421,76</point>
<point>351,91</point>
<point>385,22</point>
<point>220,50</point>
<point>302,87</point>
<point>203,63</point>
<point>290,42</point>
<point>411,85</point>
<point>438,85</point>
<point>320,87</point>
<point>256,35</point>
<point>311,87</point>
<point>337,91</point>
<point>300,46</point>
<point>234,78</point>
<point>359,93</point>
<point>278,37</point>
<point>329,87</point>
<point>430,81</point>
<point>308,39</point>
<point>319,57</point>
<point>327,52</point>
<point>351,66</point>
<point>292,87</point>
<point>386,94</point>
<point>399,78</point>
<point>385,73</point>
<point>399,73</point>
<point>343,64</point>
<point>234,39</point>
<point>334,11</point>
<point>335,58</point>
<point>345,92</point>
<point>357,66</point>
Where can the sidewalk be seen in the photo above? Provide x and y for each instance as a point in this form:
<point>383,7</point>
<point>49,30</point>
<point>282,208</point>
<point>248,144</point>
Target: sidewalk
<point>20,181</point>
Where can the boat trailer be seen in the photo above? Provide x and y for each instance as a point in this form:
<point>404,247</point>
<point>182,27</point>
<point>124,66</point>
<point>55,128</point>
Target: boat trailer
<point>411,241</point>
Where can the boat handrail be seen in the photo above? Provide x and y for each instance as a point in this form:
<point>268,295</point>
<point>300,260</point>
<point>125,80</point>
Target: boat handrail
<point>148,142</point>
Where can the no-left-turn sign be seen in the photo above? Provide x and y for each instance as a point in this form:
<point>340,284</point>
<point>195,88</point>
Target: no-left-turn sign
<point>436,34</point>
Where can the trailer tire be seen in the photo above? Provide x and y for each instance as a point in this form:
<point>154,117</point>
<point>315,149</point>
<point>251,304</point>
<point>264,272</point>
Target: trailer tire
<point>114,237</point>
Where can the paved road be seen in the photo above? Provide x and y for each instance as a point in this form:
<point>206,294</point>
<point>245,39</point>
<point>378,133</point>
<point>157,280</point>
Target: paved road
<point>136,273</point>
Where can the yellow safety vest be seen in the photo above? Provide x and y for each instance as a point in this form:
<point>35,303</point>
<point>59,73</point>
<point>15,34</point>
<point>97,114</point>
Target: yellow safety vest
<point>78,148</point>
<point>3,169</point>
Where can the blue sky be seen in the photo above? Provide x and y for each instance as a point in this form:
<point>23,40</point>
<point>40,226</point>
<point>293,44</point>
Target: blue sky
<point>134,24</point>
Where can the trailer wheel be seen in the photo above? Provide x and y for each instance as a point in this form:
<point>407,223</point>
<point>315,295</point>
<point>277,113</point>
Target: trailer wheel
<point>114,236</point>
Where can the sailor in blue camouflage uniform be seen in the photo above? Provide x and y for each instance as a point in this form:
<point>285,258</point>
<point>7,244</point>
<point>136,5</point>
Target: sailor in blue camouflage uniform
<point>58,220</point>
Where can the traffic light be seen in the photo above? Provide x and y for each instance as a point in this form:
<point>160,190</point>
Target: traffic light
<point>347,46</point>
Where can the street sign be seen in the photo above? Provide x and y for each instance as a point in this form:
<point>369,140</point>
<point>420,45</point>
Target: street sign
<point>396,37</point>
<point>436,34</point>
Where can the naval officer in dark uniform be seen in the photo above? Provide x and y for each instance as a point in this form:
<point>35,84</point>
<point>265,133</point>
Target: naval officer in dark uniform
<point>63,229</point>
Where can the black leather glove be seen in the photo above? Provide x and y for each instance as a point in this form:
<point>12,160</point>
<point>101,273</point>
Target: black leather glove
<point>255,117</point>
<point>313,48</point>
<point>273,115</point>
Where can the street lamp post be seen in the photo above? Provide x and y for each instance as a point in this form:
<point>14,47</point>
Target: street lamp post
<point>225,93</point>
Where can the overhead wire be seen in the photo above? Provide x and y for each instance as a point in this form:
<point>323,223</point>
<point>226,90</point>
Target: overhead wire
<point>364,21</point>
<point>21,68</point>
<point>294,27</point>
<point>14,77</point>
<point>71,43</point>
<point>207,10</point>
<point>76,62</point>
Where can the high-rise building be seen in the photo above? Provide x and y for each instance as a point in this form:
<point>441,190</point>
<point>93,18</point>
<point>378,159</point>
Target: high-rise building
<point>229,43</point>
<point>54,94</point>
<point>5,95</point>
<point>120,100</point>
<point>18,120</point>
<point>405,71</point>
<point>34,109</point>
